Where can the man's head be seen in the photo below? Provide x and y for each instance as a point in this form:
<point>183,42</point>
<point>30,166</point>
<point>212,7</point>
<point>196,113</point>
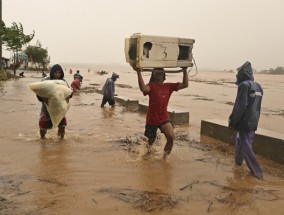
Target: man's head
<point>114,76</point>
<point>244,73</point>
<point>56,72</point>
<point>158,75</point>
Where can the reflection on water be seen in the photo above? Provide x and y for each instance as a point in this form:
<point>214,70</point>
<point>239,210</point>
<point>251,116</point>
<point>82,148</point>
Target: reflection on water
<point>108,112</point>
<point>52,172</point>
<point>52,158</point>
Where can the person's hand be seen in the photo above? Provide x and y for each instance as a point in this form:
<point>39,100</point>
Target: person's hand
<point>45,100</point>
<point>231,127</point>
<point>133,65</point>
<point>67,99</point>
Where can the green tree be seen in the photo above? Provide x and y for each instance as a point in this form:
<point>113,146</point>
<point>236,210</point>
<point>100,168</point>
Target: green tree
<point>38,55</point>
<point>277,71</point>
<point>14,39</point>
<point>3,31</point>
<point>0,35</point>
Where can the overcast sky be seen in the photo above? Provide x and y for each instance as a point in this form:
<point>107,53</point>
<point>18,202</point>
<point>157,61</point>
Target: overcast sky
<point>227,32</point>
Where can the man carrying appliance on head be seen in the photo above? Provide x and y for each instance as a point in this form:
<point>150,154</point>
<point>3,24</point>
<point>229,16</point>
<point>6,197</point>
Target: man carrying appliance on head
<point>159,95</point>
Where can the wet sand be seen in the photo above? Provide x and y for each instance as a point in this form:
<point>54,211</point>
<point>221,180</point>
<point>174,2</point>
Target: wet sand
<point>100,167</point>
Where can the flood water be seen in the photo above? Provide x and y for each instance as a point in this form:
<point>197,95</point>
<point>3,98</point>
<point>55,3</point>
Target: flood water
<point>100,167</point>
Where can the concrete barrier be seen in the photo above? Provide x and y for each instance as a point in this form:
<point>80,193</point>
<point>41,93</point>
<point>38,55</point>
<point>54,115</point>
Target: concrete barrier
<point>266,143</point>
<point>143,107</point>
<point>126,101</point>
<point>176,117</point>
<point>179,117</point>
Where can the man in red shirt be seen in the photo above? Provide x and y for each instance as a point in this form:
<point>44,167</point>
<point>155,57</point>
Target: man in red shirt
<point>157,116</point>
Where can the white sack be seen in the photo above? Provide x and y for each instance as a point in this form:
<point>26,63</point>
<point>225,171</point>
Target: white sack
<point>56,91</point>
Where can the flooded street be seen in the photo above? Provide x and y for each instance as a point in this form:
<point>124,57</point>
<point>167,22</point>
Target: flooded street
<point>100,167</point>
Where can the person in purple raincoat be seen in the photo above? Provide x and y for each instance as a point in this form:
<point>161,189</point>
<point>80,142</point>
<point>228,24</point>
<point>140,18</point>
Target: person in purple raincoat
<point>108,90</point>
<point>245,116</point>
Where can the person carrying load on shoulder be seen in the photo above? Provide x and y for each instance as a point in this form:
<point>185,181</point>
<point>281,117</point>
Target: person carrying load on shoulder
<point>45,122</point>
<point>76,83</point>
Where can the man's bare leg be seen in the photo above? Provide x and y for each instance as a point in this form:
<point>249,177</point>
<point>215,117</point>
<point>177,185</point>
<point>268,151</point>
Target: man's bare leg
<point>168,131</point>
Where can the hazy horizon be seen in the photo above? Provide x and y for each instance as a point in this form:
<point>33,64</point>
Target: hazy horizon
<point>227,32</point>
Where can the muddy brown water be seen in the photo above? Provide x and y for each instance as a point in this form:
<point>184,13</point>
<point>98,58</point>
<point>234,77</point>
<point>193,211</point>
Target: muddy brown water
<point>100,167</point>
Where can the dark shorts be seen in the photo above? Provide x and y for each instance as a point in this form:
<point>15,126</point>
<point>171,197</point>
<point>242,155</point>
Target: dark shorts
<point>151,130</point>
<point>109,100</point>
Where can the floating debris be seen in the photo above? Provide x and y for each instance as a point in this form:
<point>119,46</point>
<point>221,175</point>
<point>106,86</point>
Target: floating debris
<point>190,185</point>
<point>143,200</point>
<point>129,143</point>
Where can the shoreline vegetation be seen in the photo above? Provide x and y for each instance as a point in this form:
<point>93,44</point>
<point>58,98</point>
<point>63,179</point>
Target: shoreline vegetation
<point>278,71</point>
<point>6,75</point>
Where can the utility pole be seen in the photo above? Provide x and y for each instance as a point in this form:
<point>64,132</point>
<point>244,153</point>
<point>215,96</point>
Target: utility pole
<point>0,37</point>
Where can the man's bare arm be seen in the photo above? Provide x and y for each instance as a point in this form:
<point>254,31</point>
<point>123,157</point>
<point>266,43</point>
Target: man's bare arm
<point>184,83</point>
<point>143,87</point>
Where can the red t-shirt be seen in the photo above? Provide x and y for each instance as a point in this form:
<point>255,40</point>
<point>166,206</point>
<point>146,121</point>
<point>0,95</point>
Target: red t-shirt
<point>76,84</point>
<point>159,97</point>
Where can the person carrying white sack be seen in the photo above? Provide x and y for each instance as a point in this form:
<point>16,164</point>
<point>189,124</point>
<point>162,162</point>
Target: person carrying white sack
<point>45,123</point>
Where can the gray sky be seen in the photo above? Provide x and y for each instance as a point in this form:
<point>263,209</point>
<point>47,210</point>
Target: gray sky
<point>227,32</point>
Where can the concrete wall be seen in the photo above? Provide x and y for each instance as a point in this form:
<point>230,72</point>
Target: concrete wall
<point>266,143</point>
<point>126,101</point>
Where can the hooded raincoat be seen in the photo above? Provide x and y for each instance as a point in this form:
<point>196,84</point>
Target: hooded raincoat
<point>246,111</point>
<point>108,90</point>
<point>245,117</point>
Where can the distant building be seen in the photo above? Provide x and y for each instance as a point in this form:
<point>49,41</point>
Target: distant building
<point>5,62</point>
<point>24,60</point>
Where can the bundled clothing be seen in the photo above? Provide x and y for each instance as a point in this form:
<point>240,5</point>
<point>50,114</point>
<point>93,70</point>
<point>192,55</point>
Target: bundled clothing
<point>245,117</point>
